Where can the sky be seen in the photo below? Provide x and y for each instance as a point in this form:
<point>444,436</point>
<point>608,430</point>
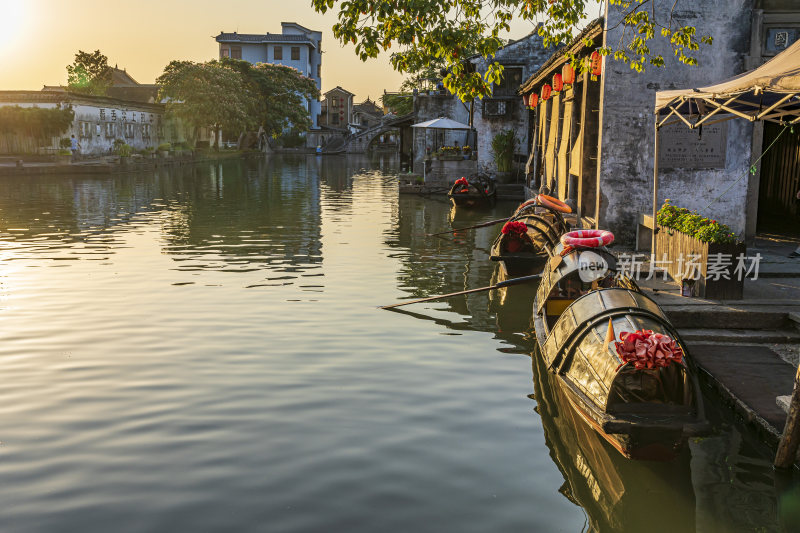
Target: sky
<point>39,38</point>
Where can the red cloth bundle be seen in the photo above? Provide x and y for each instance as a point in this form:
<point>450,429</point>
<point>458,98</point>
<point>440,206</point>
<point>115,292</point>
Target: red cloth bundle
<point>646,349</point>
<point>461,181</point>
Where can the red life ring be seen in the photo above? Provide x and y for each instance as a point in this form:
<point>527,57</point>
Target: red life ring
<point>587,238</point>
<point>554,203</point>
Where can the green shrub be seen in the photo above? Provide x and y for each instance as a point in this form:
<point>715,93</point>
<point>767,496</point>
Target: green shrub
<point>64,152</point>
<point>292,140</point>
<point>37,122</point>
<point>65,143</point>
<point>503,146</point>
<point>123,149</point>
<point>692,224</point>
<point>164,147</point>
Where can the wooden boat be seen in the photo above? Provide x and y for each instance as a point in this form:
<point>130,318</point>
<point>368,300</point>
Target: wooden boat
<point>644,413</point>
<point>476,193</point>
<point>615,493</point>
<point>524,254</point>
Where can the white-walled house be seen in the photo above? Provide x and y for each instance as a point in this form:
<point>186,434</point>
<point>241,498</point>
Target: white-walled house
<point>296,46</point>
<point>99,121</point>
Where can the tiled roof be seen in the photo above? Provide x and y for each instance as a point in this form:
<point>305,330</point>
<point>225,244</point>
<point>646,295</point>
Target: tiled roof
<point>593,29</point>
<point>262,38</point>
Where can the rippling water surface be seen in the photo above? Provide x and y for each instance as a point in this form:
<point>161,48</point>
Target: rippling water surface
<point>200,350</point>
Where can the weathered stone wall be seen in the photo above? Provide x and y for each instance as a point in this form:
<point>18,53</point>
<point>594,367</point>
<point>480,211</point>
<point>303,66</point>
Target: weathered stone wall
<point>530,54</point>
<point>625,174</point>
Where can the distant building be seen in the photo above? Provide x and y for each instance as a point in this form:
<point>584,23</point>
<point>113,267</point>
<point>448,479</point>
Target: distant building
<point>366,115</point>
<point>129,113</point>
<point>99,122</point>
<point>500,111</point>
<point>296,47</point>
<point>336,109</point>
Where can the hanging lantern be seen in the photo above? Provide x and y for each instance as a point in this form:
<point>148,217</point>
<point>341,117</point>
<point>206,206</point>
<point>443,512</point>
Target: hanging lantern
<point>546,90</point>
<point>533,100</point>
<point>558,84</point>
<point>596,67</point>
<point>525,99</point>
<point>568,74</point>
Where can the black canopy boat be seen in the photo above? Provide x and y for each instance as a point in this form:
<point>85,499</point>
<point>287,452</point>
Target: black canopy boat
<point>526,241</point>
<point>615,493</point>
<point>478,192</point>
<point>645,413</point>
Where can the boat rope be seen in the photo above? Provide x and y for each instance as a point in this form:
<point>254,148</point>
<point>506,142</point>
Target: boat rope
<point>751,170</point>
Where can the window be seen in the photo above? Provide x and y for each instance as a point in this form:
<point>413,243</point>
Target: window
<point>494,108</point>
<point>277,53</point>
<point>86,130</point>
<point>319,71</point>
<point>113,114</point>
<point>236,52</point>
<point>130,130</point>
<point>110,130</point>
<point>146,131</point>
<point>295,53</point>
<point>224,52</point>
<point>512,79</point>
<point>102,114</point>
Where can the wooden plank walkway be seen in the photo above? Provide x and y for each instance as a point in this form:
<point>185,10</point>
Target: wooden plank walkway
<point>750,377</point>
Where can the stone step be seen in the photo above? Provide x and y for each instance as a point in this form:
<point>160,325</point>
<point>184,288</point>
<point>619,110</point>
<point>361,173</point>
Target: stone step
<point>720,317</point>
<point>738,336</point>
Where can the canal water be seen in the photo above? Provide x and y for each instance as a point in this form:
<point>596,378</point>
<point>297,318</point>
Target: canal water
<point>200,349</point>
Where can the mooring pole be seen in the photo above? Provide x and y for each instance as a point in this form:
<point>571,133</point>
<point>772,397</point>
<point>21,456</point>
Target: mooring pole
<point>787,449</point>
<point>655,191</point>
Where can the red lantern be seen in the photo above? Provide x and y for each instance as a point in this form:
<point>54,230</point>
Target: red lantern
<point>533,100</point>
<point>546,90</point>
<point>597,64</point>
<point>558,84</point>
<point>568,74</point>
<point>525,99</point>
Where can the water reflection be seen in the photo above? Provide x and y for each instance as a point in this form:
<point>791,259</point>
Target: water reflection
<point>198,349</point>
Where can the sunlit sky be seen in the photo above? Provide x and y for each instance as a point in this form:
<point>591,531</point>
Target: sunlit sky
<point>38,38</point>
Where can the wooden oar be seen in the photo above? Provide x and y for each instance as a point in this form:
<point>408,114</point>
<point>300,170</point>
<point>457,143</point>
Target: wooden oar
<point>490,223</point>
<point>506,283</point>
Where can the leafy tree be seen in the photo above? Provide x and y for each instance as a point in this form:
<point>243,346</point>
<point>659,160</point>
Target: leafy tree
<point>400,103</point>
<point>208,95</point>
<point>430,31</point>
<point>279,92</point>
<point>234,95</point>
<point>36,122</point>
<point>89,74</point>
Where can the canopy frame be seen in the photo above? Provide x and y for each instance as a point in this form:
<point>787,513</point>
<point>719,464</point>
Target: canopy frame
<point>769,93</point>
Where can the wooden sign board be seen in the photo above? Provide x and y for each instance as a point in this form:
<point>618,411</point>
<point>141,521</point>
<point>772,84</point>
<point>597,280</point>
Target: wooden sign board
<point>682,147</point>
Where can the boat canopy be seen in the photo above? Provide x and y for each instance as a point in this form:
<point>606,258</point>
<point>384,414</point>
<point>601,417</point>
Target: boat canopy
<point>576,346</point>
<point>770,92</point>
<point>570,265</point>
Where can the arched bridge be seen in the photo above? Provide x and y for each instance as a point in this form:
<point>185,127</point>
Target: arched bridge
<point>359,142</point>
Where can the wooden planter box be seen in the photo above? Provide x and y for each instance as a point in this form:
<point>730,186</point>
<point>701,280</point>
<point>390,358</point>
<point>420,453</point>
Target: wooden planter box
<point>672,245</point>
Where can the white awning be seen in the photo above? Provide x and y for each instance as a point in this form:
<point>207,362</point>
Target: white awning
<point>442,123</point>
<point>770,92</point>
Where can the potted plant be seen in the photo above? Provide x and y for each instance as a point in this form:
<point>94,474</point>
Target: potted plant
<point>467,151</point>
<point>702,250</point>
<point>123,150</point>
<point>503,146</point>
<point>163,149</point>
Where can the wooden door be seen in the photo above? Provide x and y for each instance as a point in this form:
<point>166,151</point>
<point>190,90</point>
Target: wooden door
<point>778,207</point>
